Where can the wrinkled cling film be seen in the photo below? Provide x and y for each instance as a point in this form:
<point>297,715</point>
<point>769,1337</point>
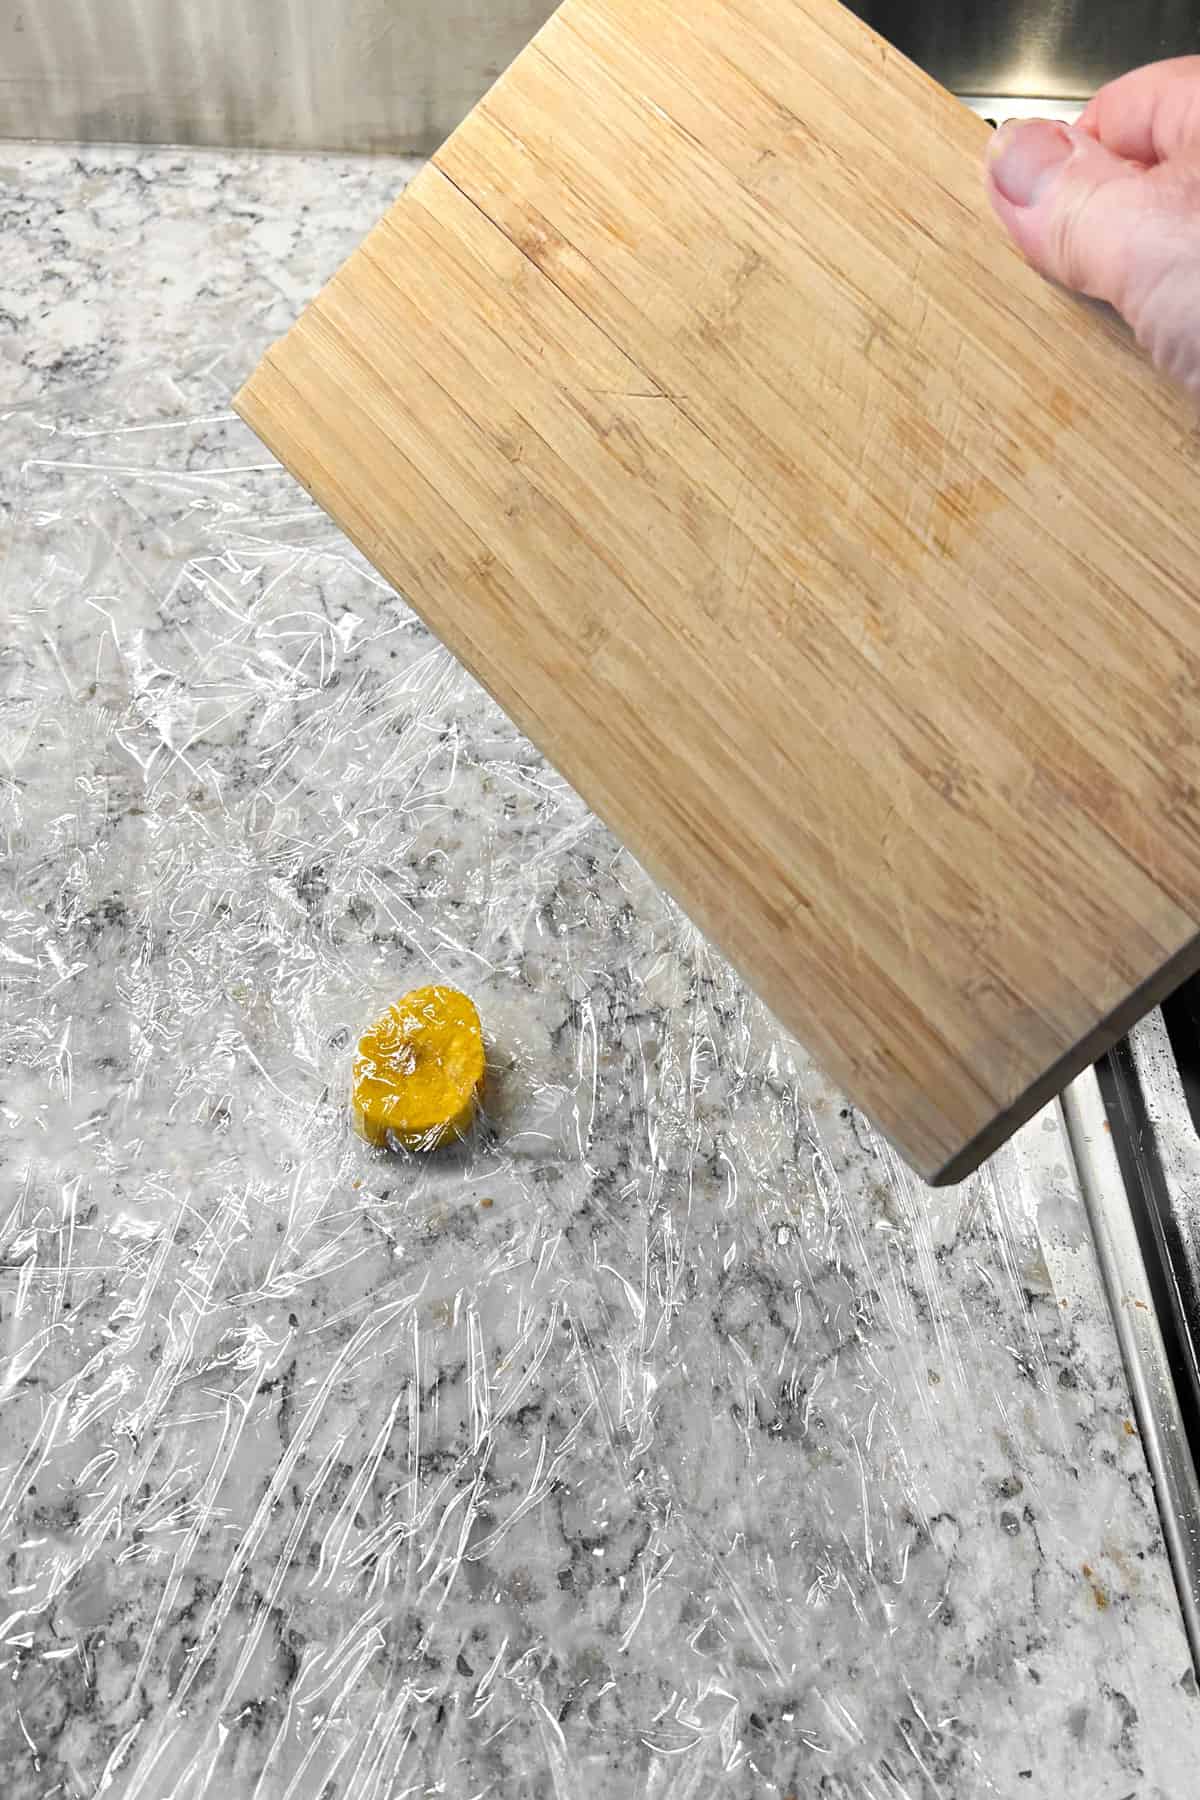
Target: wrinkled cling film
<point>664,1438</point>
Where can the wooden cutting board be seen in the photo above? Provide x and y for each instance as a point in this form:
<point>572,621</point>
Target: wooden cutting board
<point>848,570</point>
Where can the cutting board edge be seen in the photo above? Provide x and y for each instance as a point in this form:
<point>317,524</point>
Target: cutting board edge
<point>1089,1049</point>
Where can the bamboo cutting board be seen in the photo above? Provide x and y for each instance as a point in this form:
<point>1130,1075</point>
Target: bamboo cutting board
<point>848,570</point>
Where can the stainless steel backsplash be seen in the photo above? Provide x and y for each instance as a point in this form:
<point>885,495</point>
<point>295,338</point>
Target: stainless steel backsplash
<point>400,74</point>
<point>290,74</point>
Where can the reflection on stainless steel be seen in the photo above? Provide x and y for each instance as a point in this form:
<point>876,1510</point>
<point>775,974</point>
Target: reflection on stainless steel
<point>400,74</point>
<point>1045,47</point>
<point>998,107</point>
<point>1136,1313</point>
<point>1165,1125</point>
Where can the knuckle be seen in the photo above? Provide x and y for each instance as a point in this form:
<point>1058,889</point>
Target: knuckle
<point>1076,242</point>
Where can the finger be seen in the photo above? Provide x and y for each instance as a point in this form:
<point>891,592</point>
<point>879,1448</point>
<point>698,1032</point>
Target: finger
<point>1078,212</point>
<point>1149,114</point>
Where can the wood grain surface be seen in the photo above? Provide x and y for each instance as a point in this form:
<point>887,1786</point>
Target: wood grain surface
<point>847,569</point>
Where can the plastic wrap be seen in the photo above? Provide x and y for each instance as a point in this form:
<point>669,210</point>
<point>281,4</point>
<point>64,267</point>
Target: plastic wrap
<point>666,1438</point>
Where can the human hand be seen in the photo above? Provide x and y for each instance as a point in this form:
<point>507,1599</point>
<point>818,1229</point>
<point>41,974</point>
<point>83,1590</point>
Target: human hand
<point>1111,206</point>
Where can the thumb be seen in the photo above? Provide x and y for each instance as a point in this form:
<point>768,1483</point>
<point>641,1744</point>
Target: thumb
<point>1079,213</point>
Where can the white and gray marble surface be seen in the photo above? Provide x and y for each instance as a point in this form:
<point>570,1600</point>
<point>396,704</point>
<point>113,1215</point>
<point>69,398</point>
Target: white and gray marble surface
<point>668,1439</point>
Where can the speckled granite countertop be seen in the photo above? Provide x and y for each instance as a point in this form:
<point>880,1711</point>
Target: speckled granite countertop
<point>668,1439</point>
